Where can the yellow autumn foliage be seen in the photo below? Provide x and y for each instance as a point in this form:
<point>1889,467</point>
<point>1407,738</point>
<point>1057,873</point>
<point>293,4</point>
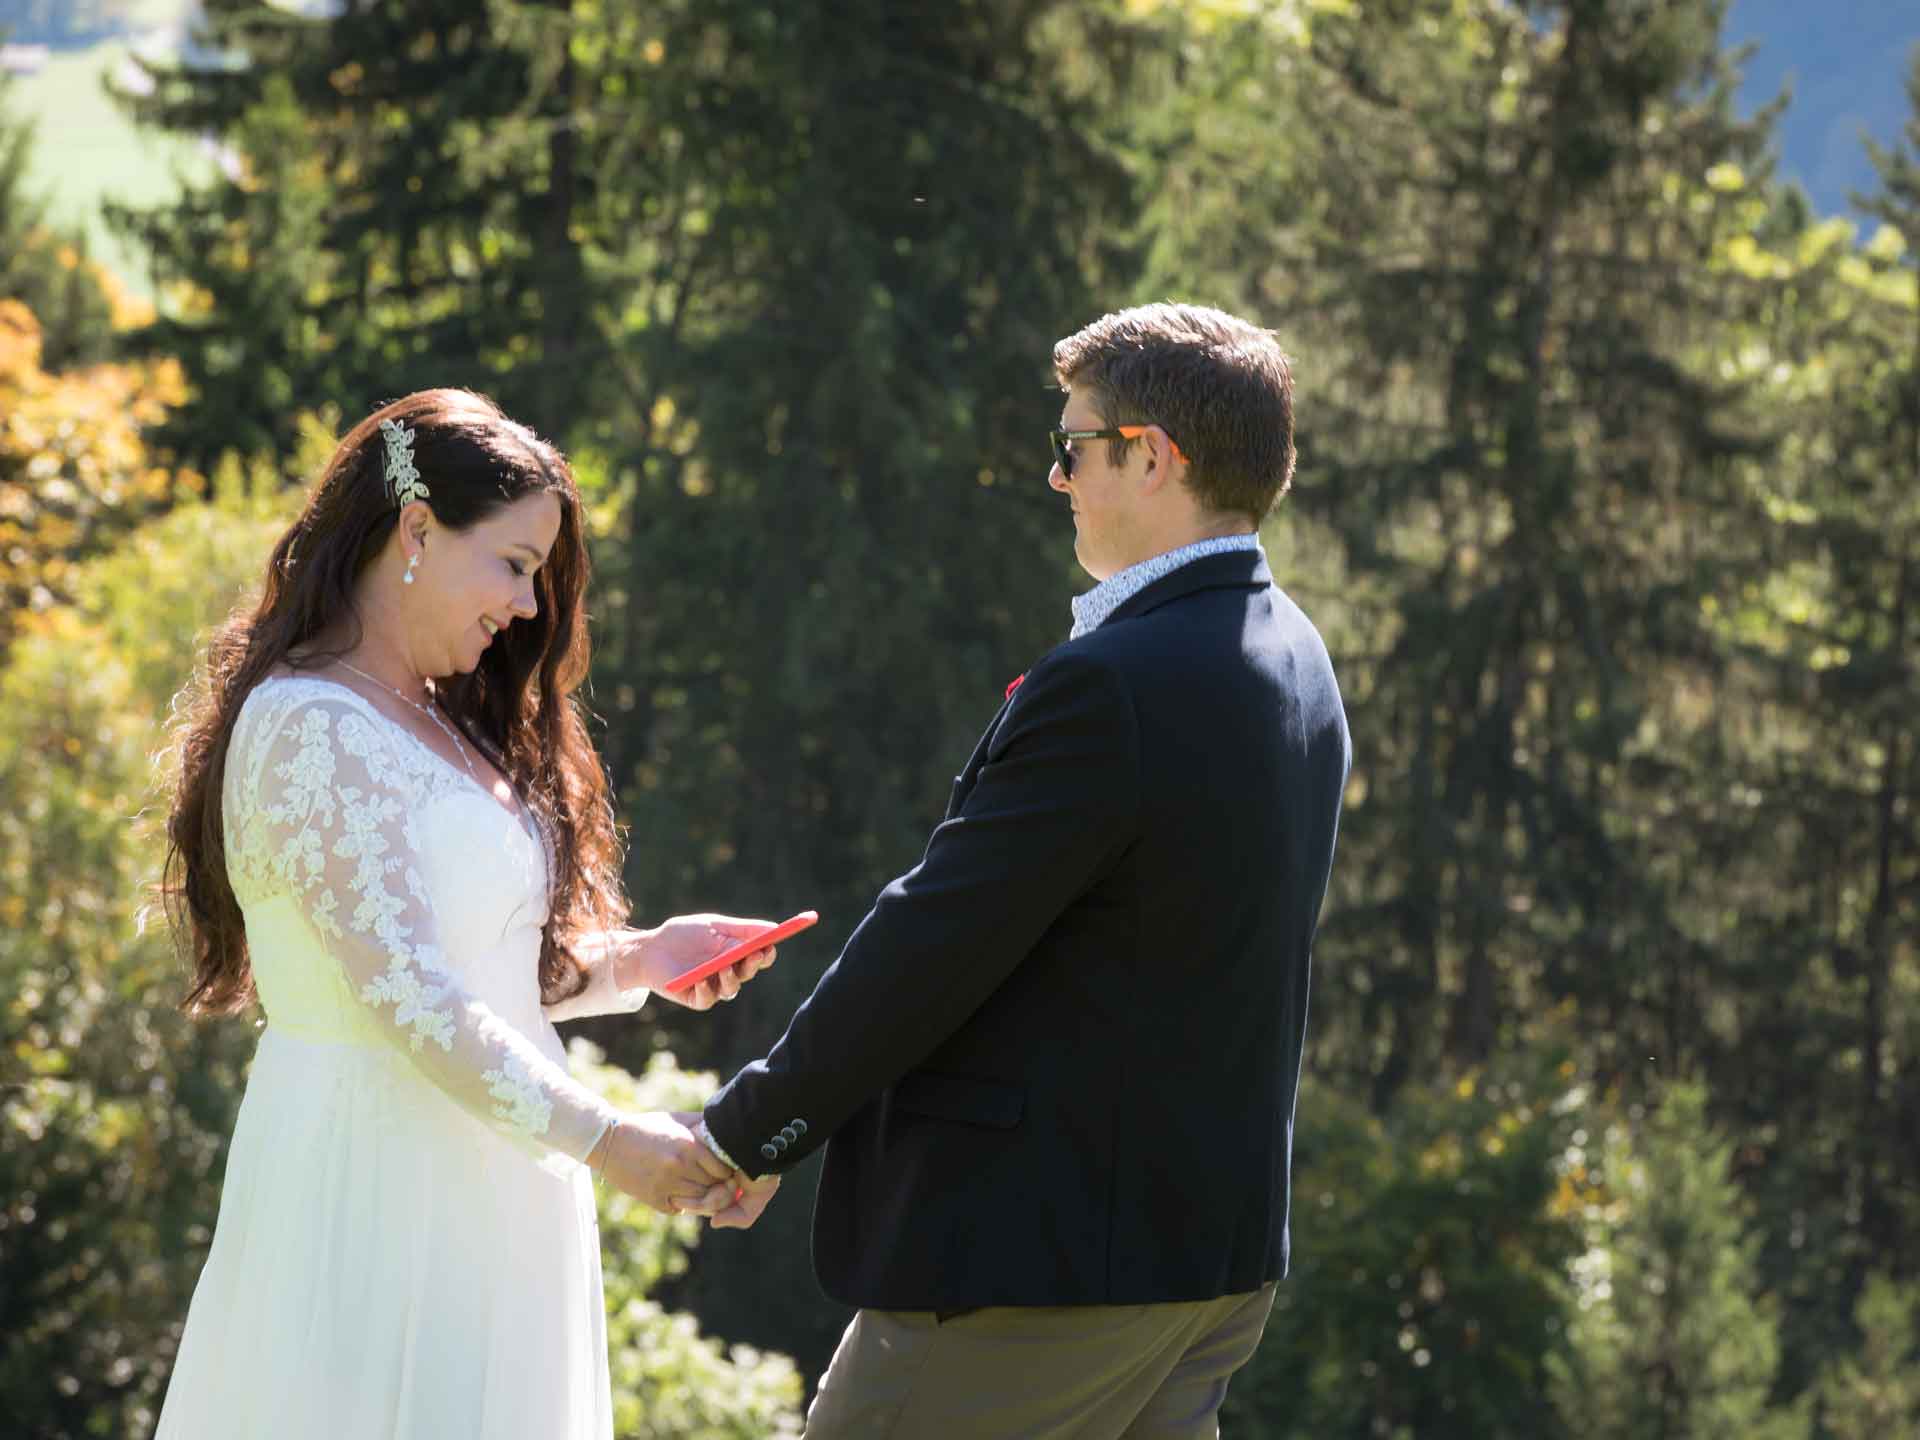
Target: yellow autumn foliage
<point>75,466</point>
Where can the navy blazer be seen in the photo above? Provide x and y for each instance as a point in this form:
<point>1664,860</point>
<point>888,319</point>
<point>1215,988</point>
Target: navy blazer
<point>1056,1063</point>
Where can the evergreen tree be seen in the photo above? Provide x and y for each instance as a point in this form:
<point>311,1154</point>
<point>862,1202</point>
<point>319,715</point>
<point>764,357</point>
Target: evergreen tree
<point>1879,589</point>
<point>1875,1393</point>
<point>1672,1338</point>
<point>835,546</point>
<point>1611,439</point>
<point>401,204</point>
<point>1427,1293</point>
<point>1490,237</point>
<point>1817,867</point>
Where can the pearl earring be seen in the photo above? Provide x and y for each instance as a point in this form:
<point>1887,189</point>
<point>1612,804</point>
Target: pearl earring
<point>407,579</point>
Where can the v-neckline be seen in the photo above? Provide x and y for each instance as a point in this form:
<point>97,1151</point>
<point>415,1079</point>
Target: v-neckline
<point>519,813</point>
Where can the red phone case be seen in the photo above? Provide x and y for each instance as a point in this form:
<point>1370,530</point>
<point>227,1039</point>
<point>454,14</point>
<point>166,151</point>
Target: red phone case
<point>745,948</point>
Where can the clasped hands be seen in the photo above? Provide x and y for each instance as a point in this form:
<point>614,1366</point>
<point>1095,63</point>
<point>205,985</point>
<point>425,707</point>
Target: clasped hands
<point>656,1158</point>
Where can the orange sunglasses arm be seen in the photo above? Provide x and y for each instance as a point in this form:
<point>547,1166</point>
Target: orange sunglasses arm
<point>1134,432</point>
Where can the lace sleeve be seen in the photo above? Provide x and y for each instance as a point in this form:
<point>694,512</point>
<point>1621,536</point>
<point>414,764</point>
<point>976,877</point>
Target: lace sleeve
<point>332,823</point>
<point>601,995</point>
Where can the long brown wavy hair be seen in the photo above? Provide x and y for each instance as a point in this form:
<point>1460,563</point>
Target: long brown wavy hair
<point>517,706</point>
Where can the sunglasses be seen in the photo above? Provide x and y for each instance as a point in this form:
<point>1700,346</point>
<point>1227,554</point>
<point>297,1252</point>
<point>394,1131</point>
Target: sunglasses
<point>1063,457</point>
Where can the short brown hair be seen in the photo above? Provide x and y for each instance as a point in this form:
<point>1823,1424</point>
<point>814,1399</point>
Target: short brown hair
<point>1220,387</point>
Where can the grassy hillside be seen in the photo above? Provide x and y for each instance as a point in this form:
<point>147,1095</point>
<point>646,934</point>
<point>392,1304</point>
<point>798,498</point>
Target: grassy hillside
<point>88,151</point>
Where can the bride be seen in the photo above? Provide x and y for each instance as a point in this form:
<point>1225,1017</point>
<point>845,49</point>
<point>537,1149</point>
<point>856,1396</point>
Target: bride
<point>390,828</point>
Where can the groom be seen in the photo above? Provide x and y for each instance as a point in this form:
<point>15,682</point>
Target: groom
<point>1055,1066</point>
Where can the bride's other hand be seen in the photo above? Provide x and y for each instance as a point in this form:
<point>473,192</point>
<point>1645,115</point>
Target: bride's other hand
<point>662,1164</point>
<point>651,958</point>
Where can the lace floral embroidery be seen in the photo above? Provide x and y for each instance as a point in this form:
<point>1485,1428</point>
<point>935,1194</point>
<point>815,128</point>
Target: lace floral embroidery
<point>520,1101</point>
<point>416,1003</point>
<point>308,801</point>
<point>311,803</point>
<point>326,805</point>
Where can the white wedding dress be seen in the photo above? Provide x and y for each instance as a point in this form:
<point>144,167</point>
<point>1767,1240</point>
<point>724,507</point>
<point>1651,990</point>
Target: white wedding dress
<point>407,1245</point>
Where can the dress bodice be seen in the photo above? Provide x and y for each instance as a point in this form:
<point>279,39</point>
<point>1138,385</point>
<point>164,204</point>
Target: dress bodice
<point>480,870</point>
<point>390,900</point>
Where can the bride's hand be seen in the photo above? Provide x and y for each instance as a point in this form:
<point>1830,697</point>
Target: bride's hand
<point>661,1163</point>
<point>650,958</point>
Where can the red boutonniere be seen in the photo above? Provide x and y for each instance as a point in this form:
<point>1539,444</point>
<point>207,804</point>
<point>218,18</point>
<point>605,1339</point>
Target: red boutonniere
<point>1015,683</point>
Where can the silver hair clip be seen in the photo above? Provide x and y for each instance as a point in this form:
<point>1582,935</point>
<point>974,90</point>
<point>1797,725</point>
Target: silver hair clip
<point>403,480</point>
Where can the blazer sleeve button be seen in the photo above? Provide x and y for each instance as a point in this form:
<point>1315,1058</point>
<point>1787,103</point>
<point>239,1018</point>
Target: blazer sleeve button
<point>770,1151</point>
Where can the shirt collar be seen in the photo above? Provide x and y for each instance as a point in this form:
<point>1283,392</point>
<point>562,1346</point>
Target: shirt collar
<point>1091,610</point>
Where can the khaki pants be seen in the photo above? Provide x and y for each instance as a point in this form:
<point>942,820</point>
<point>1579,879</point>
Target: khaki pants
<point>1091,1372</point>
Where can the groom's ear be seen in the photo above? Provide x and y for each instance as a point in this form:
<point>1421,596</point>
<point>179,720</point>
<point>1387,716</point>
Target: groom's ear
<point>1160,454</point>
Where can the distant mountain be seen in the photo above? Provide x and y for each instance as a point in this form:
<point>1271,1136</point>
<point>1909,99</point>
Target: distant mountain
<point>1845,62</point>
<point>63,24</point>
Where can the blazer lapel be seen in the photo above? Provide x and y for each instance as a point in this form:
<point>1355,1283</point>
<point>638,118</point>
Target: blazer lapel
<point>963,782</point>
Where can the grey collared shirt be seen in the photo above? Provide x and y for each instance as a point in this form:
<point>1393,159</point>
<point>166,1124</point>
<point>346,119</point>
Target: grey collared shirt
<point>1091,610</point>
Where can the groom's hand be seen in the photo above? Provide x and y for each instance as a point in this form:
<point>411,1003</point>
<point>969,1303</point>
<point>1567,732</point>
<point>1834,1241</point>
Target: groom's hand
<point>753,1196</point>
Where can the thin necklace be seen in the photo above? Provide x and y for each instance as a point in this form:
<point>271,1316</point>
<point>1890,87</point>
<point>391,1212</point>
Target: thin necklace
<point>431,712</point>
